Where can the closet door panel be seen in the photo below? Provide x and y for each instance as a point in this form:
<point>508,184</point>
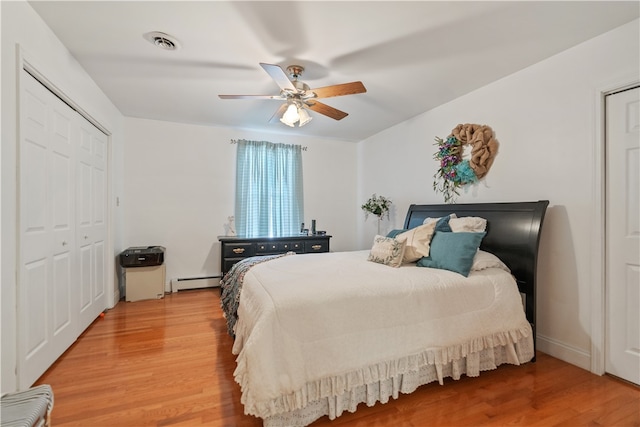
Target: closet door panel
<point>91,221</point>
<point>100,216</point>
<point>83,223</point>
<point>62,202</point>
<point>46,319</point>
<point>35,245</point>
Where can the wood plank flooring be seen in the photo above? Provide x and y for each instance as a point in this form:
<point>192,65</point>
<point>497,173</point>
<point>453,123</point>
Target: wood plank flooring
<point>168,362</point>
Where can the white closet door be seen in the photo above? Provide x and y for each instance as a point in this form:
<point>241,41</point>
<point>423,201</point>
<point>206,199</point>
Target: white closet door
<point>47,323</point>
<point>62,228</point>
<point>91,222</point>
<point>623,235</point>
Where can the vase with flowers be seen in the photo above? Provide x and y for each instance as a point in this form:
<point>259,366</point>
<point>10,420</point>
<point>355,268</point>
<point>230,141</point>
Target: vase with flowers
<point>378,206</point>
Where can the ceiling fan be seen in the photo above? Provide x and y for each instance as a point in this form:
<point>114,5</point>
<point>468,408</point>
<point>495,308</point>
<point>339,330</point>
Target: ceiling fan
<point>299,97</point>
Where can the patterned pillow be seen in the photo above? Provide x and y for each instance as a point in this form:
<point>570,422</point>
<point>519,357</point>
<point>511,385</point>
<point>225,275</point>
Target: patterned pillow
<point>387,251</point>
<point>417,242</point>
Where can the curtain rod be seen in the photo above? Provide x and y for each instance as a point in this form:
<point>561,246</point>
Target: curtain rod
<point>235,141</point>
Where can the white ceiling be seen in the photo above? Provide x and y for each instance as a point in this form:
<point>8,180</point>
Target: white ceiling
<point>411,56</point>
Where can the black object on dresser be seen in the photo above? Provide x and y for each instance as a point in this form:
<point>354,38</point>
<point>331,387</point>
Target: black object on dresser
<point>235,249</point>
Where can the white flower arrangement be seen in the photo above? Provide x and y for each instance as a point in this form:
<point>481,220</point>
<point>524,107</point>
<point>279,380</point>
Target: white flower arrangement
<point>378,206</point>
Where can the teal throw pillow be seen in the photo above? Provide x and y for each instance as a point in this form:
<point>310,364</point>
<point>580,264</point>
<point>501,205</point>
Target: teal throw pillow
<point>452,251</point>
<point>443,224</point>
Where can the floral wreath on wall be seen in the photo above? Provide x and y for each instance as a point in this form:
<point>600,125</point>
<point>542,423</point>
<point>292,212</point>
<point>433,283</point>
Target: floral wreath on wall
<point>456,171</point>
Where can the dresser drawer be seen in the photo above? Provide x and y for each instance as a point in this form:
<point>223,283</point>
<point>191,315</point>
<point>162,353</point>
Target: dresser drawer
<point>266,247</point>
<point>238,250</point>
<point>227,263</point>
<point>316,246</point>
<point>292,247</point>
<point>278,247</point>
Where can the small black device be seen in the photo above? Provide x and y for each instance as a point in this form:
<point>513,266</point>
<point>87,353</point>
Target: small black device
<point>142,256</point>
<point>313,226</point>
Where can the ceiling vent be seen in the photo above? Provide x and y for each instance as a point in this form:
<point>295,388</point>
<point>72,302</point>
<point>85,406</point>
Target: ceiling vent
<point>162,40</point>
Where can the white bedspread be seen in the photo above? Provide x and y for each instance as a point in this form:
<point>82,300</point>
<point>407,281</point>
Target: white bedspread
<point>312,326</point>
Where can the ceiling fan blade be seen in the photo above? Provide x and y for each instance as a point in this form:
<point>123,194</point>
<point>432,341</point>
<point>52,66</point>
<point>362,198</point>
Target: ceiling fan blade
<point>251,97</point>
<point>276,116</point>
<point>328,111</point>
<point>339,90</point>
<point>279,76</point>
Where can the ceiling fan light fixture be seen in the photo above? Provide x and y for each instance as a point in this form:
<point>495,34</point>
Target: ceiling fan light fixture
<point>287,123</point>
<point>291,116</point>
<point>304,117</point>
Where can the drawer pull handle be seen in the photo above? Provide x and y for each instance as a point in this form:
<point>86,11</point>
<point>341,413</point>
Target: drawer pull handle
<point>238,250</point>
<point>316,247</point>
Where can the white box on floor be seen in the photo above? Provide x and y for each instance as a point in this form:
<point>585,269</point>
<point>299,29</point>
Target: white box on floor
<point>144,282</point>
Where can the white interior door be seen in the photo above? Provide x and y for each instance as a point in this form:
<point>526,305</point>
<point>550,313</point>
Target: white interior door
<point>46,297</point>
<point>623,235</point>
<point>62,273</point>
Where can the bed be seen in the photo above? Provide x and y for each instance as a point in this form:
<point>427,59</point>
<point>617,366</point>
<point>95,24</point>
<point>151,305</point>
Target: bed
<point>319,334</point>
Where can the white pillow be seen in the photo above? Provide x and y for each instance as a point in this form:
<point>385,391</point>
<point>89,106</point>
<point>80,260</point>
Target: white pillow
<point>387,251</point>
<point>469,224</point>
<point>417,242</point>
<point>483,260</point>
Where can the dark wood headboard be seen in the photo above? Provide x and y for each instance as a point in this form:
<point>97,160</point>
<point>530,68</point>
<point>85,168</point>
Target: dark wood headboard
<point>513,235</point>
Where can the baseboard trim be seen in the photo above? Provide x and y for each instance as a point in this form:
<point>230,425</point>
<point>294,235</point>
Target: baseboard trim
<point>563,351</point>
<point>195,283</point>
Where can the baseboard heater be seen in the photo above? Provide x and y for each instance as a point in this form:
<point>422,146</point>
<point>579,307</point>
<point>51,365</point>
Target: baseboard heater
<point>194,283</point>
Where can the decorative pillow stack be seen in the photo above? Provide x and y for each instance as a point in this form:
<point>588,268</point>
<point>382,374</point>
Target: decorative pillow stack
<point>448,243</point>
<point>418,239</point>
<point>415,243</point>
<point>455,250</point>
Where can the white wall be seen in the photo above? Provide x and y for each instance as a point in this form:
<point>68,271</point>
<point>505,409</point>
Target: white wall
<point>180,189</point>
<point>545,119</point>
<point>22,26</point>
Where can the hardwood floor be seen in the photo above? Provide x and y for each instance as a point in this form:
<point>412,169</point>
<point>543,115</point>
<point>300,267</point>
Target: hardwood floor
<point>168,362</point>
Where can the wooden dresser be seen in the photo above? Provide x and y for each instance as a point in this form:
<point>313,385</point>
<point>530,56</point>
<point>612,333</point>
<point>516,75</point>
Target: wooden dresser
<point>236,248</point>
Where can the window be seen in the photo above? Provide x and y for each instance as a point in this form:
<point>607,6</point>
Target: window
<point>269,197</point>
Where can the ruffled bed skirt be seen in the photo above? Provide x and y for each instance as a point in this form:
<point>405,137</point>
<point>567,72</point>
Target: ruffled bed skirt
<point>333,406</point>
